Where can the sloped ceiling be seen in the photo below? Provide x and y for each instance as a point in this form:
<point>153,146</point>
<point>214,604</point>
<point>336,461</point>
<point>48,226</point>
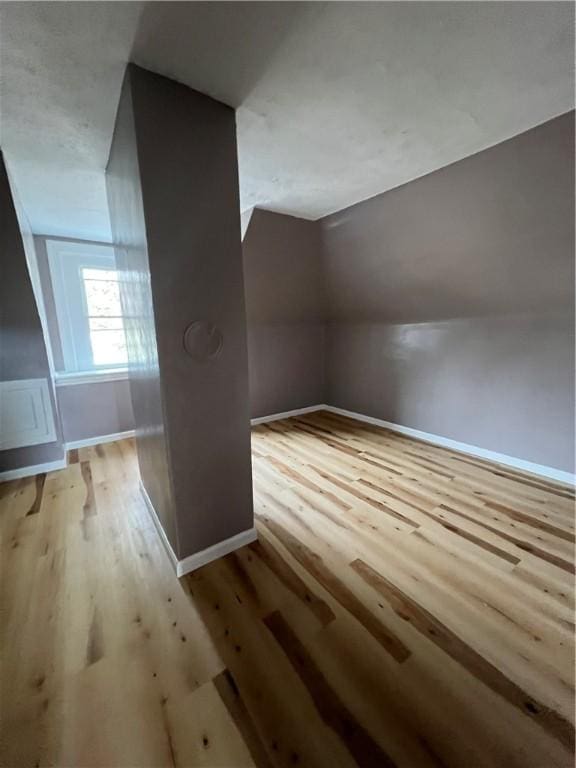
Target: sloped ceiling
<point>336,102</point>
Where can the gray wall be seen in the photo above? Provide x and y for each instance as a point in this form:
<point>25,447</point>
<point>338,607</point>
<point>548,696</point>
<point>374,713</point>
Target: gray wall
<point>49,301</point>
<point>96,409</point>
<point>285,312</point>
<point>500,383</point>
<point>23,352</point>
<point>173,194</point>
<point>445,305</point>
<point>285,309</point>
<point>451,300</point>
<point>129,230</point>
<point>86,410</point>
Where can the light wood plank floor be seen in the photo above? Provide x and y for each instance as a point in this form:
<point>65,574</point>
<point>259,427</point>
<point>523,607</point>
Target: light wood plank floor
<point>404,606</point>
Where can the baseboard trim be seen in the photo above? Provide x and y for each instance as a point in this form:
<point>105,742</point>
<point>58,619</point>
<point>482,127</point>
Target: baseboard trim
<point>541,470</point>
<point>192,562</point>
<point>205,556</point>
<point>35,469</point>
<point>158,525</point>
<point>286,414</point>
<point>98,440</point>
<point>53,466</point>
<point>566,478</point>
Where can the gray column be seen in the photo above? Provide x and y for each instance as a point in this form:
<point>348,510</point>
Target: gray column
<point>172,182</point>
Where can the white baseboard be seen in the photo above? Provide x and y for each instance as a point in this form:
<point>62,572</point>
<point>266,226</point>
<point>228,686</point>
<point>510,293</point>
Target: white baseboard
<point>542,470</point>
<point>36,469</point>
<point>205,556</point>
<point>192,562</point>
<point>52,466</point>
<point>286,414</point>
<point>158,525</point>
<point>482,453</point>
<point>99,439</point>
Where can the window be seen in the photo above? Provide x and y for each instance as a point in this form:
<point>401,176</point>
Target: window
<point>104,313</point>
<point>87,296</point>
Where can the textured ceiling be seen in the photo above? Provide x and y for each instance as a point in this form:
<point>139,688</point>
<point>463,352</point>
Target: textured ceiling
<point>336,101</point>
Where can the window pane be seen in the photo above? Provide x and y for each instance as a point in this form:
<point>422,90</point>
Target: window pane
<point>108,347</point>
<point>102,297</point>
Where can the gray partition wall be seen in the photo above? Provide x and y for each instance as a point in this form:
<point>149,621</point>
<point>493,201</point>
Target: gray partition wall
<point>23,355</point>
<point>173,194</point>
<point>285,312</point>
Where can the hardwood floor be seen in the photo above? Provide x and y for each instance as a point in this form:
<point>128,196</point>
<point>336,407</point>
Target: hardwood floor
<point>403,606</point>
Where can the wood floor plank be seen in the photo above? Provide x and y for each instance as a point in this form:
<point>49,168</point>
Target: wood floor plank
<point>521,543</point>
<point>286,723</point>
<point>230,695</point>
<point>338,589</point>
<point>40,482</point>
<point>405,605</point>
<point>442,636</point>
<point>265,551</point>
<point>364,749</point>
<point>533,522</point>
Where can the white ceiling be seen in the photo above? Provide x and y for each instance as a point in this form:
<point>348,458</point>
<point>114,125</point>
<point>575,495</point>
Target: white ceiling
<point>336,101</point>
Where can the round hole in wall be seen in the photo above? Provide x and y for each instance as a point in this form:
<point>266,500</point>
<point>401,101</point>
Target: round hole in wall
<point>203,341</point>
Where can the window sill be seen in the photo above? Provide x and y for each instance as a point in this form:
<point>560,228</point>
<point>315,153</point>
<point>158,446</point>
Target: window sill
<point>90,377</point>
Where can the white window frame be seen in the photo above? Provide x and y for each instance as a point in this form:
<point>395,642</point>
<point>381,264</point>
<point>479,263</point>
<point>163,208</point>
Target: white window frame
<point>66,261</point>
